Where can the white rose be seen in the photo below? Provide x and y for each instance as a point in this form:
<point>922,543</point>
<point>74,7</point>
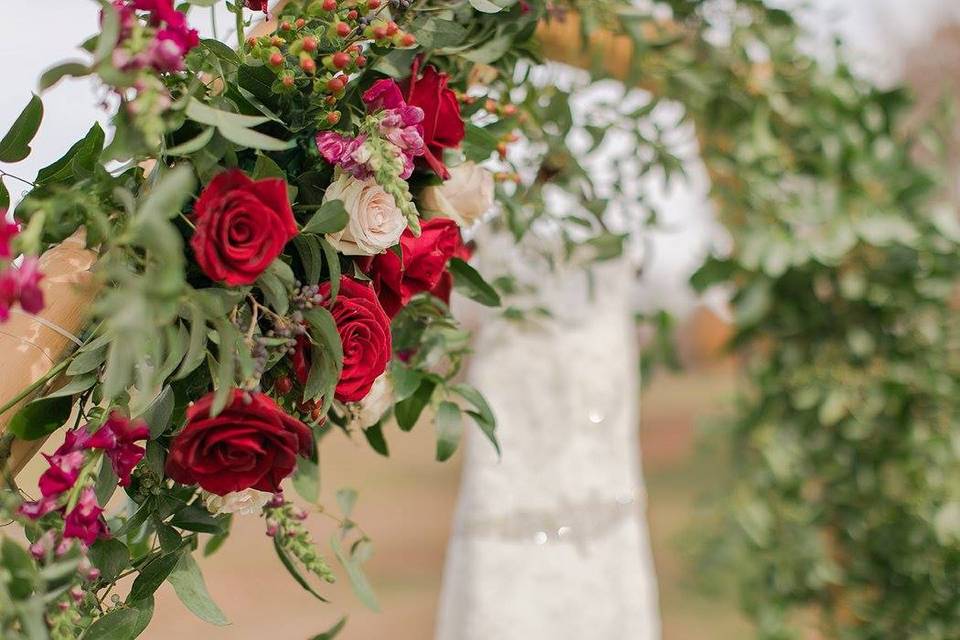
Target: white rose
<point>246,502</point>
<point>375,220</point>
<point>466,196</point>
<point>368,411</point>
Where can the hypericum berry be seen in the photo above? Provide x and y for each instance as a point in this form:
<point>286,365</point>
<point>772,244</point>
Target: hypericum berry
<point>333,117</point>
<point>300,23</point>
<point>287,81</point>
<point>308,65</point>
<point>408,40</point>
<point>509,109</point>
<point>392,28</point>
<point>277,41</point>
<point>329,5</point>
<point>373,4</point>
<point>309,44</point>
<point>352,14</point>
<point>379,33</point>
<point>335,84</point>
<point>490,106</point>
<point>276,59</point>
<point>330,100</point>
<point>283,385</point>
<point>252,41</point>
<point>343,29</point>
<point>502,150</point>
<point>361,61</point>
<point>340,59</point>
<point>285,26</point>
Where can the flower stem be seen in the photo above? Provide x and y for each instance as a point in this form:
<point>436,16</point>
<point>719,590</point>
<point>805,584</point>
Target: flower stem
<point>238,9</point>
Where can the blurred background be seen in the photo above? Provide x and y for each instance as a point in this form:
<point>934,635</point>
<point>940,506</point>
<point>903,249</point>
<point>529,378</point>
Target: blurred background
<point>406,503</point>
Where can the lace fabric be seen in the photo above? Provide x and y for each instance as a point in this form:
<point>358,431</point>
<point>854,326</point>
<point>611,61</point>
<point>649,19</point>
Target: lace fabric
<point>550,541</point>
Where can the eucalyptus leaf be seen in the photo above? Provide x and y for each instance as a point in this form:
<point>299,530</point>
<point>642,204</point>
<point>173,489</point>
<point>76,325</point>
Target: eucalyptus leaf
<point>330,218</point>
<point>40,418</point>
<point>15,144</point>
<point>190,587</point>
<point>449,426</point>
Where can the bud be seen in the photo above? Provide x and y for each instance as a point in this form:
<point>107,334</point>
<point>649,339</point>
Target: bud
<point>408,40</point>
<point>310,44</point>
<point>352,14</point>
<point>373,4</point>
<point>288,81</point>
<point>300,23</point>
<point>490,106</point>
<point>277,41</point>
<point>361,61</point>
<point>284,384</point>
<point>392,28</point>
<point>340,59</point>
<point>379,32</point>
<point>285,26</point>
<point>329,5</point>
<point>276,59</point>
<point>333,117</point>
<point>336,84</point>
<point>343,29</point>
<point>510,109</point>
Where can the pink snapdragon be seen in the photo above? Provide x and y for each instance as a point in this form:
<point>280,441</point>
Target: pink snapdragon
<point>85,522</point>
<point>8,230</point>
<point>21,285</point>
<point>400,125</point>
<point>116,438</point>
<point>172,41</point>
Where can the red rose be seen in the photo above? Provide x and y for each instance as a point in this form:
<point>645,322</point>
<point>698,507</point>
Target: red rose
<point>251,443</point>
<point>365,333</point>
<point>242,226</point>
<point>423,267</point>
<point>442,124</point>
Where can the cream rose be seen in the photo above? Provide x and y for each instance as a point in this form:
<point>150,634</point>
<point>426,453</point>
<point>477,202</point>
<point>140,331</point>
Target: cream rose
<point>368,411</point>
<point>247,502</point>
<point>375,222</point>
<point>466,196</point>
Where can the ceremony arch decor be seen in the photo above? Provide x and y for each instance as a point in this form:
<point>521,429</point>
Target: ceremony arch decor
<point>271,261</point>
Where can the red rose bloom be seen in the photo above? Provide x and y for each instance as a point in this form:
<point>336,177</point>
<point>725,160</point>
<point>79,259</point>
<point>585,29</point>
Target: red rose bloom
<point>423,267</point>
<point>242,225</point>
<point>251,443</point>
<point>442,124</point>
<point>365,333</point>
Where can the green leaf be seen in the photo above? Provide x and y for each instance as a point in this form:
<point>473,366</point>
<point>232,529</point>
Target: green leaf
<point>53,75</point>
<point>276,282</point>
<point>77,384</point>
<point>159,413</point>
<point>332,259</point>
<point>188,582</point>
<point>87,360</point>
<point>166,199</point>
<point>267,168</point>
<point>483,416</point>
<point>169,538</point>
<point>449,423</point>
<point>408,411</point>
<point>227,365</point>
<point>332,632</point>
<point>308,247</point>
<point>4,196</point>
<point>106,483</point>
<point>292,569</point>
<point>331,217</point>
<point>468,282</point>
<point>254,139</point>
<point>84,155</point>
<point>327,356</point>
<point>22,570</point>
<point>197,347</point>
<point>491,6</point>
<point>199,112</point>
<point>346,500</point>
<point>361,586</point>
<point>122,624</point>
<point>195,517</point>
<point>479,143</point>
<point>194,144</point>
<point>406,380</point>
<point>40,418</point>
<point>374,436</point>
<point>110,556</point>
<point>152,576</point>
<point>15,145</point>
<point>306,480</point>
<point>109,31</point>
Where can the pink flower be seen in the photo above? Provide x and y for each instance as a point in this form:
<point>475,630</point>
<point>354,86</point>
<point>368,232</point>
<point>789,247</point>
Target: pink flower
<point>122,433</point>
<point>332,146</point>
<point>38,509</point>
<point>257,5</point>
<point>7,232</point>
<point>383,94</point>
<point>85,522</point>
<point>28,278</point>
<point>62,473</point>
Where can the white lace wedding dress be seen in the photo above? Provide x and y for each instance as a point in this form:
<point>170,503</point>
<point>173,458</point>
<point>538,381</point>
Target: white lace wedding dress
<point>550,541</point>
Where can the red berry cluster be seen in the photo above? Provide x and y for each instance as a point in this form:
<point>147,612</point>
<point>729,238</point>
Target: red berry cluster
<point>318,52</point>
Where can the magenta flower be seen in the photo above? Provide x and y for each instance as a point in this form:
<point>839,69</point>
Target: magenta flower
<point>332,146</point>
<point>7,232</point>
<point>383,94</point>
<point>85,522</point>
<point>124,455</point>
<point>28,278</point>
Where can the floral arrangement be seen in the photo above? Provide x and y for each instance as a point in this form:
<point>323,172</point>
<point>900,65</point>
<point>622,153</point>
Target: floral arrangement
<point>278,228</point>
